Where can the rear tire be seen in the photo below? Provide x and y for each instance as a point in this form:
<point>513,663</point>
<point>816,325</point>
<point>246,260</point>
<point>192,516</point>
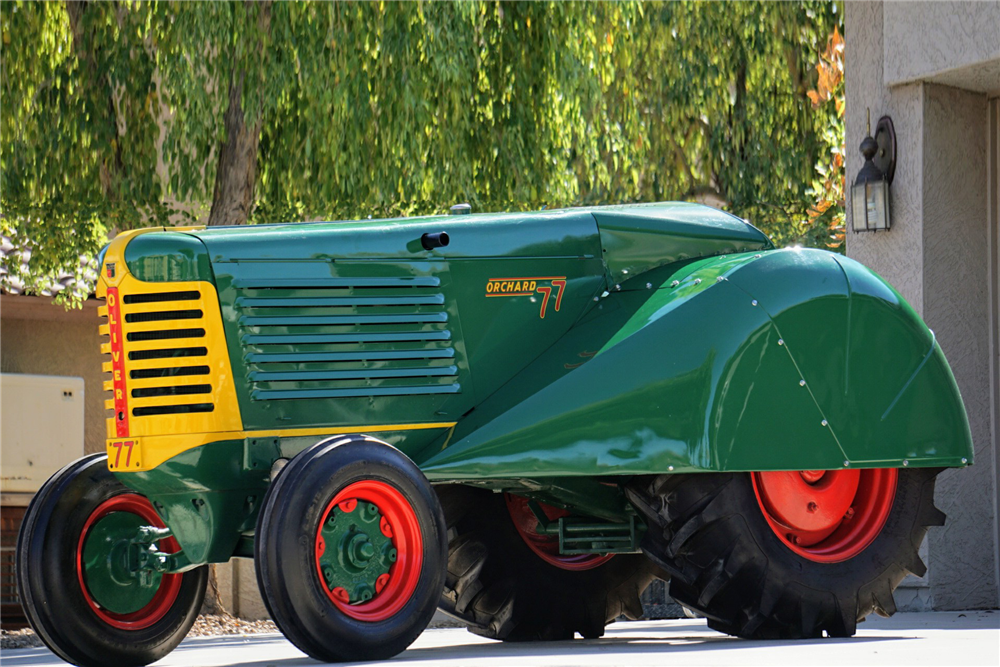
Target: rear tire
<point>53,585</point>
<point>350,550</point>
<point>728,563</point>
<point>502,589</point>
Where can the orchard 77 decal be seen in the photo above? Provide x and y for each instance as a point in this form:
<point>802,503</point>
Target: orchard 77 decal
<point>543,285</point>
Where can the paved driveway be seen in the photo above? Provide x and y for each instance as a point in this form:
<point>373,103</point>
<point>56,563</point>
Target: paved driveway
<point>968,638</point>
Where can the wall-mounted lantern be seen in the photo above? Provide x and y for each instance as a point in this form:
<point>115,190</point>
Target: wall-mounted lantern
<point>870,192</point>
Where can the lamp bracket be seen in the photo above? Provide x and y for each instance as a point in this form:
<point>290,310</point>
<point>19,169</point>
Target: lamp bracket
<point>885,156</point>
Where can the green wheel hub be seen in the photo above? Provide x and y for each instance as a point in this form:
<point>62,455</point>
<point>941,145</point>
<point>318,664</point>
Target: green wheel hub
<point>105,565</point>
<point>356,551</point>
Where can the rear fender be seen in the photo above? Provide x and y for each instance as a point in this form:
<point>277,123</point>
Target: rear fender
<point>785,360</point>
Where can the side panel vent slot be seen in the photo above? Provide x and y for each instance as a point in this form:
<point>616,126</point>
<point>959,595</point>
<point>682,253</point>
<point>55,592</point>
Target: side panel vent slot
<point>346,337</point>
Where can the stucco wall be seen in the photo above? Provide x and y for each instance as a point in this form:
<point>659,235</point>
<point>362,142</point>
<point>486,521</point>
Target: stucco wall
<point>937,252</point>
<point>898,255</point>
<point>955,307</point>
<point>40,338</point>
<point>926,39</point>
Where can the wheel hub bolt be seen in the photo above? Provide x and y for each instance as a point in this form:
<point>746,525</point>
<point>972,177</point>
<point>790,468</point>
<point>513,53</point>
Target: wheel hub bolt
<point>363,593</point>
<point>849,514</point>
<point>794,539</point>
<point>812,507</point>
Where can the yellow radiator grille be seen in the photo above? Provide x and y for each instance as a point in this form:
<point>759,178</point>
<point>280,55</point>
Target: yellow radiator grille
<point>168,363</point>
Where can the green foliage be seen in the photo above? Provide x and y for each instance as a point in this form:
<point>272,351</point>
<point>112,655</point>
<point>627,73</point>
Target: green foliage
<point>386,109</point>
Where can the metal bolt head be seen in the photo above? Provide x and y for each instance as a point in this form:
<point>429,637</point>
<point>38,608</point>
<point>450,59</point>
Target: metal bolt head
<point>905,463</point>
<point>670,468</point>
<point>756,256</point>
<point>597,298</point>
<point>802,383</point>
<point>964,460</point>
<point>697,281</point>
<point>675,283</point>
<point>649,285</point>
<point>847,464</point>
<point>754,302</point>
<point>781,341</point>
<point>618,287</point>
<point>823,422</point>
<point>719,279</point>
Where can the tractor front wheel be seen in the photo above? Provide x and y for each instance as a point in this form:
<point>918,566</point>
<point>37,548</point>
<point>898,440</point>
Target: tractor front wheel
<point>350,550</point>
<point>74,580</point>
<point>773,555</point>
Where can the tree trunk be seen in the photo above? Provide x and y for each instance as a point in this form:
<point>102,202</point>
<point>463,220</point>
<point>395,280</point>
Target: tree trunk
<point>236,173</point>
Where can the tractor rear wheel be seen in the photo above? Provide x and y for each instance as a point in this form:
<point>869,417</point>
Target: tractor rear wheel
<point>73,577</point>
<point>788,554</point>
<point>507,582</point>
<point>350,550</point>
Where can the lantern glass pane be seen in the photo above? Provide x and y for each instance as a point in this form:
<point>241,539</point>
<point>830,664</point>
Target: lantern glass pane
<point>859,218</point>
<point>873,197</point>
<point>882,201</point>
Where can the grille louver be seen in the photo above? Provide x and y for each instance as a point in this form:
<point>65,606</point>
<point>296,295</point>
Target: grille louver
<point>163,337</point>
<point>346,337</point>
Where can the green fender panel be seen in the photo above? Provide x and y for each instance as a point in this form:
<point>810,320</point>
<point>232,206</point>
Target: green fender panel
<point>784,360</point>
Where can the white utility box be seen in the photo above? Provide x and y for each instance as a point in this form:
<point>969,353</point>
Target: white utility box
<point>41,428</point>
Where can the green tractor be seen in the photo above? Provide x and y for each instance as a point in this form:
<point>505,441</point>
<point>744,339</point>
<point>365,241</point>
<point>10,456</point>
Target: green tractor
<point>521,419</point>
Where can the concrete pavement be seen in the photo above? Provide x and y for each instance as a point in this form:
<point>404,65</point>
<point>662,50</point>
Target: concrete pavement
<point>942,638</point>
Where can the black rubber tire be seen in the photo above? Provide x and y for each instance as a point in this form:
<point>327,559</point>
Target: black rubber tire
<point>286,537</point>
<point>708,532</point>
<point>50,590</point>
<point>503,590</point>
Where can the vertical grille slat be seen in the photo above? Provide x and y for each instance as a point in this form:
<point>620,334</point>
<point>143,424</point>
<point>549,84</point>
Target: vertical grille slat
<point>174,343</point>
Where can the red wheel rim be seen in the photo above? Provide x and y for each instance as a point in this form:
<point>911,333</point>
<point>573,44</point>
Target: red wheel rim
<point>170,584</point>
<point>546,547</point>
<point>826,516</point>
<point>400,520</point>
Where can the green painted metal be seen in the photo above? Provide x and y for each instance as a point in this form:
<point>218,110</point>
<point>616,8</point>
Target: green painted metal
<point>791,359</point>
<point>105,562</point>
<point>355,551</point>
<point>683,342</point>
<point>637,239</point>
<point>167,257</point>
<point>207,497</point>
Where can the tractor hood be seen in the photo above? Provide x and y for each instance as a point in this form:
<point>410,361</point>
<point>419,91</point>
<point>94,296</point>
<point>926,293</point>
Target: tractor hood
<point>630,239</point>
<point>642,237</point>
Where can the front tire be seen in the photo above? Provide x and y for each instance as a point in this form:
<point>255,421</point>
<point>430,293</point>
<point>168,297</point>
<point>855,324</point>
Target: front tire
<point>81,612</point>
<point>734,559</point>
<point>350,550</point>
